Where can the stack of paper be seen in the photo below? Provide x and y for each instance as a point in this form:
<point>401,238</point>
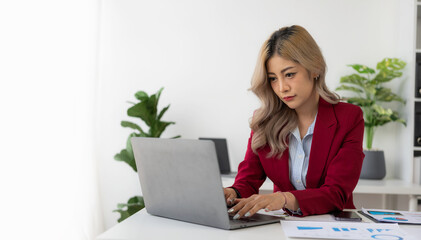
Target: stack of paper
<point>393,216</point>
<point>343,230</point>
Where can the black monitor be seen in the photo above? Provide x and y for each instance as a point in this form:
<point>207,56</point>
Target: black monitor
<point>221,153</point>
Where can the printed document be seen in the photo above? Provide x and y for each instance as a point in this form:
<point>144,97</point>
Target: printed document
<point>393,216</point>
<point>343,230</point>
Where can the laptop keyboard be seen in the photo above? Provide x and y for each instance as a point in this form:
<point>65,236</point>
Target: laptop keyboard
<point>243,219</point>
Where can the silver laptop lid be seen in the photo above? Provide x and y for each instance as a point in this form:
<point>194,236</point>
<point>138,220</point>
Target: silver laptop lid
<point>180,179</point>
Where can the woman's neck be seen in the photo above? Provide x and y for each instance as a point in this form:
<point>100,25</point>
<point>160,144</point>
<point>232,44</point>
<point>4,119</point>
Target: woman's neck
<point>309,111</point>
<point>306,116</point>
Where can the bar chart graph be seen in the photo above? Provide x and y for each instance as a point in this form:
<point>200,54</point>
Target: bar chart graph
<point>343,230</point>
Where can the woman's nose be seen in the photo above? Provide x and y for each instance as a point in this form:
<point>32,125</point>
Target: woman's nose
<point>283,86</point>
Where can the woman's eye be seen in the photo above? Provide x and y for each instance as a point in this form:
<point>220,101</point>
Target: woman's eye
<point>290,75</point>
<point>271,79</point>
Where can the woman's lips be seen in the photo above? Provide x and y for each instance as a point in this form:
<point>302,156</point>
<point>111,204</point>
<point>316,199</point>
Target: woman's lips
<point>289,98</point>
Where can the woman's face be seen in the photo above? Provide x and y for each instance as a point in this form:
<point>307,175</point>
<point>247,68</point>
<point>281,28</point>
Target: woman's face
<point>291,83</point>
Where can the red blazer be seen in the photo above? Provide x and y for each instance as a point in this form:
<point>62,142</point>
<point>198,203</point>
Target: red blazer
<point>334,168</point>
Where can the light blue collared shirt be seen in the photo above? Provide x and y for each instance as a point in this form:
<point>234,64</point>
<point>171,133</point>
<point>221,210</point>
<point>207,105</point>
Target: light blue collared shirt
<point>299,154</point>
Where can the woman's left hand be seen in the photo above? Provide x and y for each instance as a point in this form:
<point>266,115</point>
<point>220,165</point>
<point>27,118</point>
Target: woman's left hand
<point>247,207</point>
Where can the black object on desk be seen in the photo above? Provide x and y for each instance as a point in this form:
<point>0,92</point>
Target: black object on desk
<point>347,216</point>
<point>417,124</point>
<point>222,155</point>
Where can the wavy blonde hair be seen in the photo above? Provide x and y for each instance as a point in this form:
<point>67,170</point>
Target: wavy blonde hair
<point>273,121</point>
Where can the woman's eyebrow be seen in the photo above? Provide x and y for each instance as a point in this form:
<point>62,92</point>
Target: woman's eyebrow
<point>287,68</point>
<point>283,70</point>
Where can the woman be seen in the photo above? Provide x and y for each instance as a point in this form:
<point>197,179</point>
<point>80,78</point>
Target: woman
<point>303,139</point>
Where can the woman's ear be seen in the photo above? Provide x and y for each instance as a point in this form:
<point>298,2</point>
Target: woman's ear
<point>315,76</point>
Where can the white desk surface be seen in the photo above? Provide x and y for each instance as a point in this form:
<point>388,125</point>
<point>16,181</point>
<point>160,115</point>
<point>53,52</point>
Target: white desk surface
<point>144,226</point>
<point>364,186</point>
<point>388,186</point>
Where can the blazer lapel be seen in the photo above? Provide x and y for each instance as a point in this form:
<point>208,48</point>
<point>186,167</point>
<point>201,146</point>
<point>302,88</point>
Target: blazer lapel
<point>284,161</point>
<point>324,132</point>
<point>281,168</point>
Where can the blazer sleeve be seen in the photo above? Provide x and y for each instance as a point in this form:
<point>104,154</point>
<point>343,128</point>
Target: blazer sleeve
<point>251,175</point>
<point>342,172</point>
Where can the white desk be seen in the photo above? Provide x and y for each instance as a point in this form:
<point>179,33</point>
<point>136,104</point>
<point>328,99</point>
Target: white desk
<point>144,226</point>
<point>383,187</point>
<point>392,187</point>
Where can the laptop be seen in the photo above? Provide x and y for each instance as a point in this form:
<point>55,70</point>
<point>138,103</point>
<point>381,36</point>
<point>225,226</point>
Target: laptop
<point>222,155</point>
<point>180,180</point>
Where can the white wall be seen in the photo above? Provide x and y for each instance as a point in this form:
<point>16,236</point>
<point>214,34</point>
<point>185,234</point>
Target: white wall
<point>405,136</point>
<point>48,62</point>
<point>203,53</point>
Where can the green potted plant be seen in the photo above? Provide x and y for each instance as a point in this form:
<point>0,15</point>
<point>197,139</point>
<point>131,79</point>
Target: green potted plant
<point>369,92</point>
<point>147,111</point>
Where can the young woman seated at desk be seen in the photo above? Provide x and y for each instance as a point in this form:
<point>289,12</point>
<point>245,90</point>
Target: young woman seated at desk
<point>302,138</point>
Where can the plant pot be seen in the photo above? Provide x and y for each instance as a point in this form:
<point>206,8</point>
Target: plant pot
<point>374,166</point>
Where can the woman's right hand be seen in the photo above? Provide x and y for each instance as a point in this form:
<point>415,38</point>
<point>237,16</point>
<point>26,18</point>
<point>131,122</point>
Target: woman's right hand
<point>230,196</point>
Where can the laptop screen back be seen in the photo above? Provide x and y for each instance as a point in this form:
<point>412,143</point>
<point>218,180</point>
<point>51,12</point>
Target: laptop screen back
<point>180,179</point>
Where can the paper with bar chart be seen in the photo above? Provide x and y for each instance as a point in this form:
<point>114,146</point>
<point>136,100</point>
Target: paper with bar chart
<point>393,216</point>
<point>344,230</point>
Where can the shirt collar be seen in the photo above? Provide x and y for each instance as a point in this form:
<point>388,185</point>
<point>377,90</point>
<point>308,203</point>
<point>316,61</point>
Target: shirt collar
<point>310,130</point>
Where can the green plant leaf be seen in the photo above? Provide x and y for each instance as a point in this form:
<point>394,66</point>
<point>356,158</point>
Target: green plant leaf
<point>132,126</point>
<point>144,111</point>
<point>368,124</point>
<point>389,68</point>
<point>354,79</point>
<point>132,206</point>
<point>141,95</point>
<point>391,64</point>
<point>370,89</point>
<point>158,95</point>
<point>373,92</point>
<point>349,88</point>
<point>382,116</point>
<point>381,111</point>
<point>124,156</point>
<point>385,76</point>
<point>154,99</point>
<point>162,112</point>
<point>159,127</point>
<point>178,136</point>
<point>400,120</point>
<point>362,102</point>
<point>395,118</point>
<point>386,95</point>
<point>130,149</point>
<point>124,214</point>
<point>381,120</point>
<point>362,69</point>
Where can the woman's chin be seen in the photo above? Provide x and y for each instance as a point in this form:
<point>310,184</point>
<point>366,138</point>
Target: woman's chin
<point>290,105</point>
